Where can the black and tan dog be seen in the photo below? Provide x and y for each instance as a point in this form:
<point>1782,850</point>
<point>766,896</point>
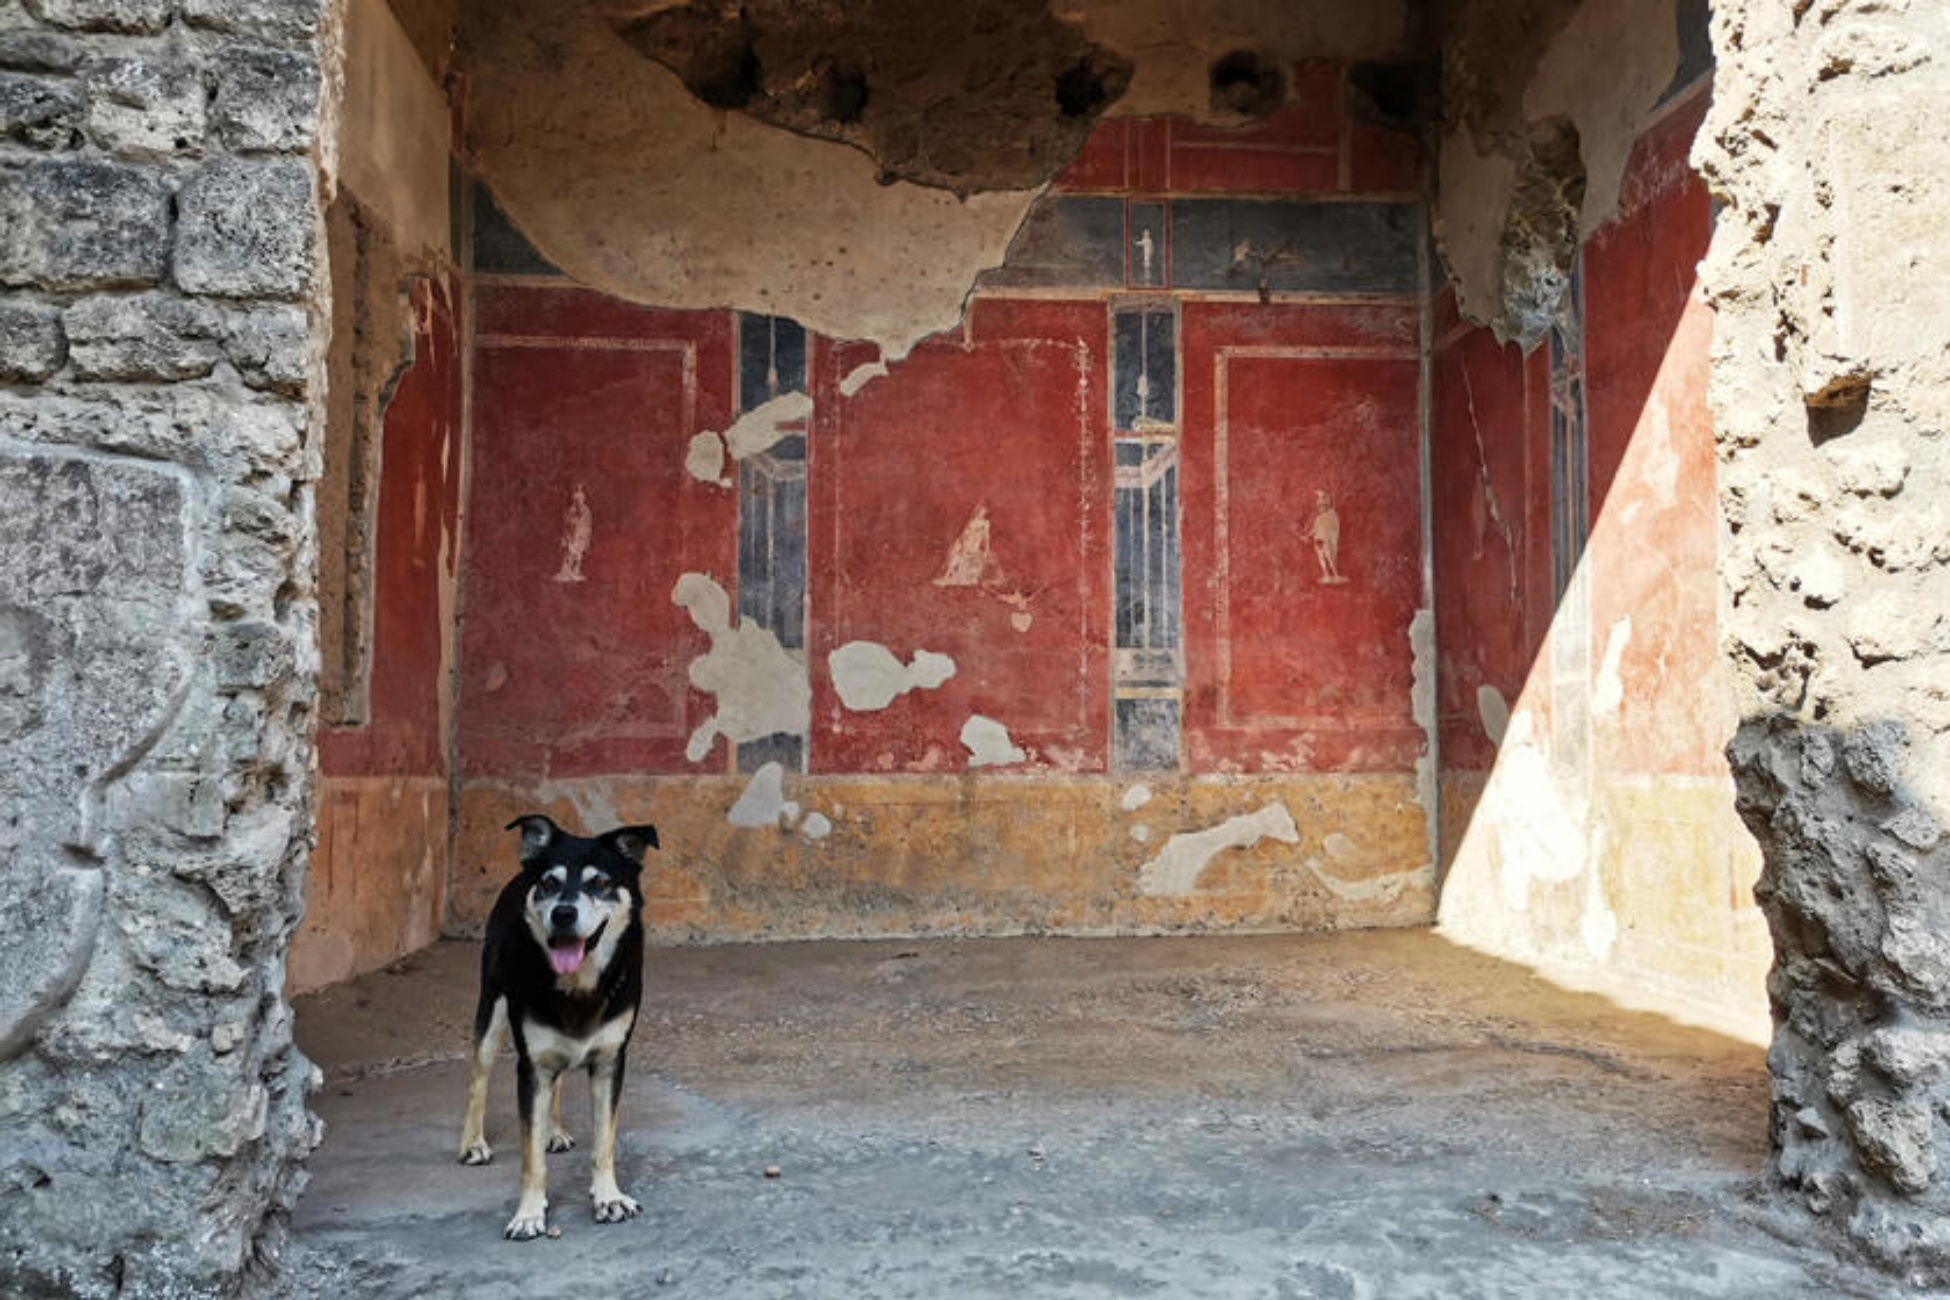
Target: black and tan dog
<point>563,971</point>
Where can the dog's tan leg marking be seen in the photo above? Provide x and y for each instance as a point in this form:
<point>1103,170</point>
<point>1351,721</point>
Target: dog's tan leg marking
<point>610,1204</point>
<point>558,1137</point>
<point>531,1211</point>
<point>474,1148</point>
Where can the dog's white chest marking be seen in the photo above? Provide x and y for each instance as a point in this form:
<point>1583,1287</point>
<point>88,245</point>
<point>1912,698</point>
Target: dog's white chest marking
<point>556,1052</point>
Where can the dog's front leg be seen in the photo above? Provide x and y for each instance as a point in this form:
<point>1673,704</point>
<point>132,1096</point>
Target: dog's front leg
<point>489,1029</point>
<point>605,1100</point>
<point>532,1089</point>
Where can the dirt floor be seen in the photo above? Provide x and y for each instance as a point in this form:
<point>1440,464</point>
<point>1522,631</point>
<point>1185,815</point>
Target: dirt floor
<point>1370,1115</point>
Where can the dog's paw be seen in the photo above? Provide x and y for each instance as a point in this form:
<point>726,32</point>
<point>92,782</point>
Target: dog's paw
<point>560,1141</point>
<point>616,1209</point>
<point>479,1153</point>
<point>525,1226</point>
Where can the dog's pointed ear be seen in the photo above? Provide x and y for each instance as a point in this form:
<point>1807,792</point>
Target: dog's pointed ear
<point>537,833</point>
<point>631,841</point>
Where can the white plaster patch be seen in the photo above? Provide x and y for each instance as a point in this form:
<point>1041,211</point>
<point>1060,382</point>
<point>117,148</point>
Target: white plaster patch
<point>705,459</point>
<point>817,826</point>
<point>860,376</point>
<point>1608,692</point>
<point>761,689</point>
<point>988,743</point>
<point>1142,834</point>
<point>1135,797</point>
<point>759,429</point>
<point>1421,698</point>
<point>1344,853</point>
<point>1494,711</point>
<point>1176,869</point>
<point>763,802</point>
<point>868,676</point>
<point>1541,834</point>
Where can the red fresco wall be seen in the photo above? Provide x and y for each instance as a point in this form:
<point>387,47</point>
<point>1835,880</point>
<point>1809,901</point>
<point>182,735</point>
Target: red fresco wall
<point>1656,517</point>
<point>575,665</point>
<point>1490,456</point>
<point>1008,419</point>
<point>417,509</point>
<point>1652,551</point>
<point>1007,416</point>
<point>1287,670</point>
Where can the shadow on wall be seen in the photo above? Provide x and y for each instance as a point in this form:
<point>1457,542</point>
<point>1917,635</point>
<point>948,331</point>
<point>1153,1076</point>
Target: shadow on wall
<point>1588,816</point>
<point>1853,890</point>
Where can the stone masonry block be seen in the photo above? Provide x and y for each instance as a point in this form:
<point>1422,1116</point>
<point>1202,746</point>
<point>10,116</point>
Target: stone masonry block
<point>270,347</point>
<point>31,342</point>
<point>102,15</point>
<point>28,49</point>
<point>75,224</point>
<point>150,108</point>
<point>289,22</point>
<point>38,113</point>
<point>150,336</point>
<point>246,229</point>
<point>267,100</point>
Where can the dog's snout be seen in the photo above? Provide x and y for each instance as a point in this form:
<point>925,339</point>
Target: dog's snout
<point>562,916</point>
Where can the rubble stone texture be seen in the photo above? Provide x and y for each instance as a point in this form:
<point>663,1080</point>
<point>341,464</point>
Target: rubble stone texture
<point>157,651</point>
<point>1829,142</point>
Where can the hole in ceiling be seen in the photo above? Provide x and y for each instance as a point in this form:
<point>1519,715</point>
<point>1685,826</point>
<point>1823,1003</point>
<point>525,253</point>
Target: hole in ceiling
<point>1245,83</point>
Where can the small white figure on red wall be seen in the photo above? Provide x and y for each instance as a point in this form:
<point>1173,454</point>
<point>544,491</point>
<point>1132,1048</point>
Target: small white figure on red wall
<point>1327,540</point>
<point>577,526</point>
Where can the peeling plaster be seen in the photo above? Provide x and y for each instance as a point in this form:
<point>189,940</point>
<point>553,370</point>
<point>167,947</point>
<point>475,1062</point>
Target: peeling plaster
<point>868,676</point>
<point>1135,797</point>
<point>1345,853</point>
<point>704,460</point>
<point>988,743</point>
<point>860,376</point>
<point>631,185</point>
<point>763,802</point>
<point>1608,691</point>
<point>817,826</point>
<point>1176,869</point>
<point>1421,695</point>
<point>758,430</point>
<point>761,689</point>
<point>1494,711</point>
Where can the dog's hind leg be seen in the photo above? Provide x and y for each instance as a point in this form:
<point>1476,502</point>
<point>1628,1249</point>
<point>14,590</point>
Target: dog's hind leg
<point>558,1137</point>
<point>605,1101</point>
<point>490,1027</point>
<point>532,1089</point>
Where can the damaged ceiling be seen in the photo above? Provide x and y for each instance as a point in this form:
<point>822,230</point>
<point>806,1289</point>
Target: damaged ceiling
<point>853,164</point>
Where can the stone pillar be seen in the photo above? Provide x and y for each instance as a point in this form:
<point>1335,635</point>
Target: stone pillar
<point>1829,143</point>
<point>159,329</point>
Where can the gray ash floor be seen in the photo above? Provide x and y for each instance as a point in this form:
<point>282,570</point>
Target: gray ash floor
<point>1364,1115</point>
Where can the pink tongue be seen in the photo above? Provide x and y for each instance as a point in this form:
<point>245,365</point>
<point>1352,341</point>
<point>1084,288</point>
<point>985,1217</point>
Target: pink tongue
<point>566,957</point>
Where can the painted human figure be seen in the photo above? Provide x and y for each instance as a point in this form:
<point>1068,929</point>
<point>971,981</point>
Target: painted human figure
<point>1327,539</point>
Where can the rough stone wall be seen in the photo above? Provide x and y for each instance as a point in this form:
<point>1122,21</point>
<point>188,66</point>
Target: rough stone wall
<point>159,214</point>
<point>1828,143</point>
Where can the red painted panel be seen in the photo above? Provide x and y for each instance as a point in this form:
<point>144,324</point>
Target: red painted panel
<point>1381,161</point>
<point>1242,169</point>
<point>1286,668</point>
<point>414,551</point>
<point>1150,167</point>
<point>1010,424</point>
<point>1654,546</point>
<point>1104,161</point>
<point>575,664</point>
<point>1490,618</point>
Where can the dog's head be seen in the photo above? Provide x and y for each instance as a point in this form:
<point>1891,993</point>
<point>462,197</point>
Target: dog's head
<point>582,893</point>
